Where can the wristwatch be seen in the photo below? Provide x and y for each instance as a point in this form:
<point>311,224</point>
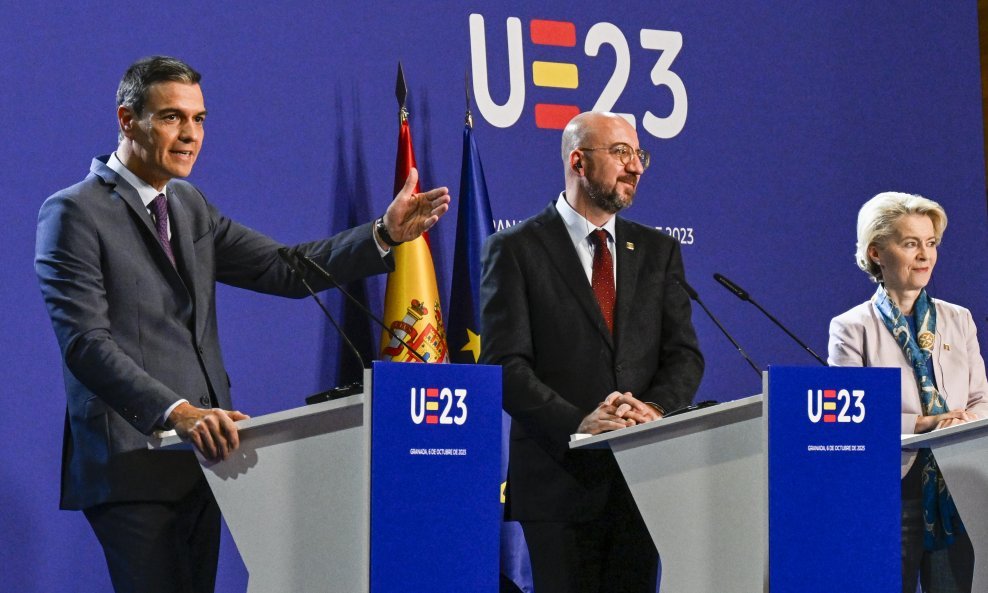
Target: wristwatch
<point>382,232</point>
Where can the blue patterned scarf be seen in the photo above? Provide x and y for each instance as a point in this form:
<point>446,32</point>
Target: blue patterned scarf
<point>939,513</point>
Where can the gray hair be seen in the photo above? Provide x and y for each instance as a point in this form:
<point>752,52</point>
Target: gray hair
<point>136,82</point>
<point>877,218</point>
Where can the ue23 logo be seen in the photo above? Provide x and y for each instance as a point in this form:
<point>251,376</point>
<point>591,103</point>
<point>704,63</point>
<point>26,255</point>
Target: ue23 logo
<point>438,405</point>
<point>566,75</point>
<point>823,404</point>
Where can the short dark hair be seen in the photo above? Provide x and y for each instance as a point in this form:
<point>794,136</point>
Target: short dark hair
<point>133,90</point>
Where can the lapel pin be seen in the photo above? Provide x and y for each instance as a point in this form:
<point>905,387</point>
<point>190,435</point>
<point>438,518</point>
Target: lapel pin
<point>629,246</point>
<point>946,347</point>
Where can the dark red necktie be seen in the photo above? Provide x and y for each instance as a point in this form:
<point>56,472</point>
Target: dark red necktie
<point>602,278</point>
<point>159,207</point>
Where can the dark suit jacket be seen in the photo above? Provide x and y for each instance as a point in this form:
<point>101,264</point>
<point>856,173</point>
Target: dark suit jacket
<point>541,322</point>
<point>137,334</point>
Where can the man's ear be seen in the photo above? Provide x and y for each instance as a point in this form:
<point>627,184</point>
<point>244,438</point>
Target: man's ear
<point>576,162</point>
<point>127,121</point>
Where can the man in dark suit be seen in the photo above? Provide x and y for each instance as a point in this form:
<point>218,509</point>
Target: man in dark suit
<point>582,310</point>
<point>128,260</point>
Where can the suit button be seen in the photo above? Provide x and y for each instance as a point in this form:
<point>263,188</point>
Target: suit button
<point>204,400</point>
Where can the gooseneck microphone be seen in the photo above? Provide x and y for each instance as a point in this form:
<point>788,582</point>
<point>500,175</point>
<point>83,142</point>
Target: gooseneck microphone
<point>313,265</point>
<point>744,296</point>
<point>290,259</point>
<point>696,298</point>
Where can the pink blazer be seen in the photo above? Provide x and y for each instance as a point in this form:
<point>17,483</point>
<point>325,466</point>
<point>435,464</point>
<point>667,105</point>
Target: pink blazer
<point>859,338</point>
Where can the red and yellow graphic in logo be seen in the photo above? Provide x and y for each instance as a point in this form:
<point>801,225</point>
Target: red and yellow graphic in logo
<point>546,35</point>
<point>834,406</point>
<point>560,75</point>
<point>438,405</point>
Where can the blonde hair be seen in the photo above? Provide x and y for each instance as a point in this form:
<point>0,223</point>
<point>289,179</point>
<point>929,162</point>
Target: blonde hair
<point>877,218</point>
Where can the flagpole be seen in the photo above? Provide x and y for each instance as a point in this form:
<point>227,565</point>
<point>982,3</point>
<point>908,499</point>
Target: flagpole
<point>411,303</point>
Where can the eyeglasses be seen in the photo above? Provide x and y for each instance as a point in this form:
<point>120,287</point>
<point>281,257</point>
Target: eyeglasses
<point>624,152</point>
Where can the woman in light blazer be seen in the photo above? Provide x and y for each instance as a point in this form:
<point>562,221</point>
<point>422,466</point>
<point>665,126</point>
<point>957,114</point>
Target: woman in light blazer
<point>935,344</point>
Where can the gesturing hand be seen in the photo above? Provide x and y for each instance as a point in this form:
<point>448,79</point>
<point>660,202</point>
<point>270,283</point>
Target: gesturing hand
<point>410,214</point>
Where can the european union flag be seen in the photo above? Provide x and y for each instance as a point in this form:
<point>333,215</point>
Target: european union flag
<point>474,223</point>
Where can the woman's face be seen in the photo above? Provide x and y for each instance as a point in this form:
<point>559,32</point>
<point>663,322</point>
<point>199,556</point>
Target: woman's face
<point>908,256</point>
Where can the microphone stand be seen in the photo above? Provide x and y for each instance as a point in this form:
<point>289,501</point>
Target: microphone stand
<point>322,272</point>
<point>696,297</point>
<point>744,296</point>
<point>290,260</point>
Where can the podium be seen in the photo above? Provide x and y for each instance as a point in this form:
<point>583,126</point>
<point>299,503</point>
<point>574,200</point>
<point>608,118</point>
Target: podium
<point>699,482</point>
<point>962,453</point>
<point>773,491</point>
<point>395,488</point>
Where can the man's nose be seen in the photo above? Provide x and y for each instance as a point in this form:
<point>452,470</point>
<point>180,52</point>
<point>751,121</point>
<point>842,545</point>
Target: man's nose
<point>635,165</point>
<point>190,131</point>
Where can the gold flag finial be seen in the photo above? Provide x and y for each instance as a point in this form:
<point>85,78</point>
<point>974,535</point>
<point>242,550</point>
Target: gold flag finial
<point>401,93</point>
<point>469,118</point>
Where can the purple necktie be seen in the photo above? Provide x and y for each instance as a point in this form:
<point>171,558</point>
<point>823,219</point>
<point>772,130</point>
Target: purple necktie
<point>602,277</point>
<point>159,207</point>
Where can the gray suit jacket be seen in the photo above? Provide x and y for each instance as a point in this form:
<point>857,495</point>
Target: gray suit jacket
<point>541,322</point>
<point>859,338</point>
<point>137,334</point>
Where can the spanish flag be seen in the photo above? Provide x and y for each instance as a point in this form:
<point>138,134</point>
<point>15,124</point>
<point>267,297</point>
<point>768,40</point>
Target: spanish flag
<point>411,300</point>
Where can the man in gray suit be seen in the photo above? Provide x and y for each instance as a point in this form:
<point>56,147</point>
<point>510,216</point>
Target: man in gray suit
<point>128,260</point>
<point>583,311</point>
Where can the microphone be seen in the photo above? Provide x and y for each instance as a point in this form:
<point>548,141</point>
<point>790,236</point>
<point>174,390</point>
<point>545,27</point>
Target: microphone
<point>322,272</point>
<point>696,297</point>
<point>290,259</point>
<point>744,296</point>
<point>737,290</point>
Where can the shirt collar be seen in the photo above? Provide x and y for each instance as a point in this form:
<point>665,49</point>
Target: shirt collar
<point>578,226</point>
<point>144,190</point>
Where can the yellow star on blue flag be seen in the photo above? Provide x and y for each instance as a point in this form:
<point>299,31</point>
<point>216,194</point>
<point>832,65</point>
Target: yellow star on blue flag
<point>472,345</point>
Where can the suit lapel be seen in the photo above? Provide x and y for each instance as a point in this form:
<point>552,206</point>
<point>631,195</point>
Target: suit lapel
<point>627,273</point>
<point>181,222</point>
<point>557,243</point>
<point>938,374</point>
<point>130,197</point>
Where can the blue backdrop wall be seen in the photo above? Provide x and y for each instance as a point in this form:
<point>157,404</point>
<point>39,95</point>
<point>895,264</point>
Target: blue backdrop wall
<point>776,120</point>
